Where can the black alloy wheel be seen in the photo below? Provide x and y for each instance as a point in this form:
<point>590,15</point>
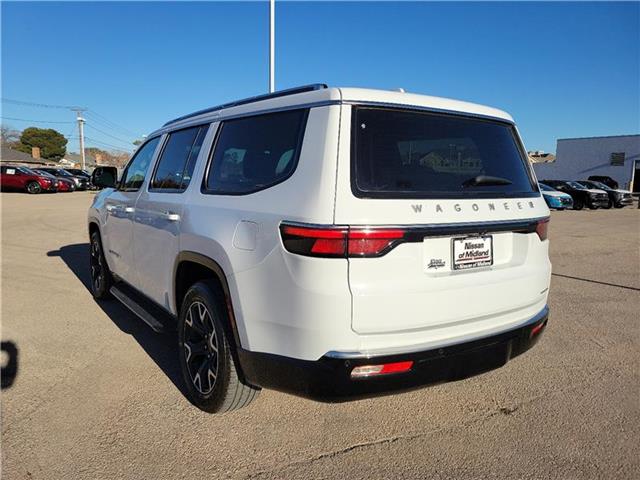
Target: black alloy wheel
<point>101,279</point>
<point>213,382</point>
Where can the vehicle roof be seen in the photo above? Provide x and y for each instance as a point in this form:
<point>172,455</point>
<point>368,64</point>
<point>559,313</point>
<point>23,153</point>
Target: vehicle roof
<point>318,95</point>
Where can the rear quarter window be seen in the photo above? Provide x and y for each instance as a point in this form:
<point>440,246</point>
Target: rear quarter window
<point>254,153</point>
<point>413,154</point>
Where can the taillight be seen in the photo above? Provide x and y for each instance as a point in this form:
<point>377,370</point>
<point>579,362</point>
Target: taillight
<point>340,241</point>
<point>542,228</point>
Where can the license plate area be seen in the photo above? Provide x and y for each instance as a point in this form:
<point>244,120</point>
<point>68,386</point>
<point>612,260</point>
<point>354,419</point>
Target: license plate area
<point>472,252</point>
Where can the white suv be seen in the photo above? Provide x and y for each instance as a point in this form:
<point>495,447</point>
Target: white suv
<point>332,243</point>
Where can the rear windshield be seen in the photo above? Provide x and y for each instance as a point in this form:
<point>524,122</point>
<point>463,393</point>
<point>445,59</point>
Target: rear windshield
<point>410,154</point>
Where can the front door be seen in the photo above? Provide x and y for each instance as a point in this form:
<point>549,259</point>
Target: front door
<point>121,206</point>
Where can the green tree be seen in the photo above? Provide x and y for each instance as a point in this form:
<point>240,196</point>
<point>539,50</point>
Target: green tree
<point>52,144</point>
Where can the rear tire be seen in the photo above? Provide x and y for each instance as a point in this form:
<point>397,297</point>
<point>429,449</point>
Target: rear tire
<point>209,371</point>
<point>33,188</point>
<point>101,279</point>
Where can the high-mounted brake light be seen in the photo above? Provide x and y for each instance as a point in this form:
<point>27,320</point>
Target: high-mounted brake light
<point>542,228</point>
<point>340,241</point>
<point>364,371</point>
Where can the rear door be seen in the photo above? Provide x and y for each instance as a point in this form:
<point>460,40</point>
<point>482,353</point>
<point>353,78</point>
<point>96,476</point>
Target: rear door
<point>460,191</point>
<point>159,211</point>
<point>11,177</point>
<point>120,206</point>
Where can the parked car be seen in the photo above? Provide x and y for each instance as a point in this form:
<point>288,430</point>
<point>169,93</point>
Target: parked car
<point>617,198</point>
<point>24,179</point>
<point>330,243</point>
<point>80,173</point>
<point>608,181</point>
<point>80,182</point>
<point>554,198</point>
<point>62,183</point>
<point>582,196</point>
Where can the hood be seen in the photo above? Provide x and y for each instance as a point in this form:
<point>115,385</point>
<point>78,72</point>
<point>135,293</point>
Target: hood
<point>595,190</point>
<point>619,190</point>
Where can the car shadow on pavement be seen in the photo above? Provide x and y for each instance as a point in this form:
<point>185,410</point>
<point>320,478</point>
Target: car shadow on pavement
<point>161,347</point>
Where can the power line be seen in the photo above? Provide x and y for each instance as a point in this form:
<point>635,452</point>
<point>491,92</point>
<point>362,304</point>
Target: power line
<point>93,140</point>
<point>31,120</point>
<point>109,135</point>
<point>40,105</point>
<point>114,125</point>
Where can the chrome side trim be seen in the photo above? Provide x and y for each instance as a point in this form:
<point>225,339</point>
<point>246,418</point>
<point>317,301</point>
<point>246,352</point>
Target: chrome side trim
<point>425,347</point>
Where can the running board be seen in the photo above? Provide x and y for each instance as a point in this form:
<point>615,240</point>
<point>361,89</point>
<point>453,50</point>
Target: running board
<point>136,308</point>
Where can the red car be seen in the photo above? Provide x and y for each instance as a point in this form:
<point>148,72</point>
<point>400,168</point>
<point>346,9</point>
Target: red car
<point>25,179</point>
<point>64,185</point>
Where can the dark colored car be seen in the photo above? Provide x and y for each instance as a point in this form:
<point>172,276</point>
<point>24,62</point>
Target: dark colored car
<point>582,196</point>
<point>63,184</point>
<point>608,181</point>
<point>24,179</point>
<point>81,182</point>
<point>78,172</point>
<point>617,198</point>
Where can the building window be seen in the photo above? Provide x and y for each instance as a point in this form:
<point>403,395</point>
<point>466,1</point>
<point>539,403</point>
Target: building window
<point>617,159</point>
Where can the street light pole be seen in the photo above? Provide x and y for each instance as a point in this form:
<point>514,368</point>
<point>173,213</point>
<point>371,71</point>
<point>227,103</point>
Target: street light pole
<point>272,45</point>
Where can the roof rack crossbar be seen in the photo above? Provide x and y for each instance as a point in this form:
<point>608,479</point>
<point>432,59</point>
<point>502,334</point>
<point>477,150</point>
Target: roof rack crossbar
<point>258,98</point>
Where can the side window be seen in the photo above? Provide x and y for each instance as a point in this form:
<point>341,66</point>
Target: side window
<point>255,153</point>
<point>178,159</point>
<point>137,169</point>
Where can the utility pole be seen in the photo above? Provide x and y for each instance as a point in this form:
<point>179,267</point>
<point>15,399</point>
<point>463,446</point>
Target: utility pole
<point>272,45</point>
<point>80,121</point>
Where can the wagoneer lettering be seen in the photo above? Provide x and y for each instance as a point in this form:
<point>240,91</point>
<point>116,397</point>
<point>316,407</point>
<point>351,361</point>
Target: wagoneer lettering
<point>333,277</point>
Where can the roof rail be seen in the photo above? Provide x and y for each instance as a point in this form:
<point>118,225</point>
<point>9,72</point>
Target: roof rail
<point>258,98</point>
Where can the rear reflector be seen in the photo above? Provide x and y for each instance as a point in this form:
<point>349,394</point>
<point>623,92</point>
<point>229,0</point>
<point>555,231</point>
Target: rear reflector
<point>340,241</point>
<point>383,369</point>
<point>542,228</point>
<point>537,329</point>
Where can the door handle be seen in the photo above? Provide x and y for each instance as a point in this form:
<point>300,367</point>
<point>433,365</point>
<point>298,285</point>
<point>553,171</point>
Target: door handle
<point>172,217</point>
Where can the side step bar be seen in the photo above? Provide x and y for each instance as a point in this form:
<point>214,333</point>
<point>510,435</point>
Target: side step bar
<point>136,308</point>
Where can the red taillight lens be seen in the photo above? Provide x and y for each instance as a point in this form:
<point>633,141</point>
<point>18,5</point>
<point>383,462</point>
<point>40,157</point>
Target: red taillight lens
<point>339,241</point>
<point>542,228</point>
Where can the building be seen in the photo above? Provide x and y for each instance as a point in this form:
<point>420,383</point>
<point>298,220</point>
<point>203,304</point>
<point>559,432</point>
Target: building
<point>16,157</point>
<point>74,160</point>
<point>617,157</point>
<point>541,157</point>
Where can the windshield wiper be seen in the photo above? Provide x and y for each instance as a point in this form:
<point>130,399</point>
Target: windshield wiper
<point>482,180</point>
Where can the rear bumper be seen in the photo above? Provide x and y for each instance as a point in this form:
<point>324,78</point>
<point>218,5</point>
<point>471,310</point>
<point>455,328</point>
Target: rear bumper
<point>329,378</point>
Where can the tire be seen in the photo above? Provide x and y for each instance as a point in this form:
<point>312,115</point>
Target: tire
<point>608,205</point>
<point>618,205</point>
<point>100,275</point>
<point>34,188</point>
<point>577,204</point>
<point>203,347</point>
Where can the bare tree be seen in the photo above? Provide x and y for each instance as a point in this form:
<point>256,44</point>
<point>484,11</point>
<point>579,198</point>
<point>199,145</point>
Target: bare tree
<point>8,135</point>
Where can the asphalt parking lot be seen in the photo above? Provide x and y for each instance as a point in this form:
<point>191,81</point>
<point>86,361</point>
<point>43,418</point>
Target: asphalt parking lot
<point>98,394</point>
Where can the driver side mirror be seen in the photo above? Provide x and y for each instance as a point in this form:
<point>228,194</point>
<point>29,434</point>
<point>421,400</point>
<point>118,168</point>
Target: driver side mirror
<point>105,177</point>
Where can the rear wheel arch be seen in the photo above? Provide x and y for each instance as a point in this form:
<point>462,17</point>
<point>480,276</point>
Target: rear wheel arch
<point>192,267</point>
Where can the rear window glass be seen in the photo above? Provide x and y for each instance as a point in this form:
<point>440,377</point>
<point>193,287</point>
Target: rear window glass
<point>255,153</point>
<point>409,154</point>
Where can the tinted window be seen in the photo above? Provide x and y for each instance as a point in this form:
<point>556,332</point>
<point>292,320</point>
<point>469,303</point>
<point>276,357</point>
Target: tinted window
<point>176,164</point>
<point>256,152</point>
<point>415,154</point>
<point>138,166</point>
